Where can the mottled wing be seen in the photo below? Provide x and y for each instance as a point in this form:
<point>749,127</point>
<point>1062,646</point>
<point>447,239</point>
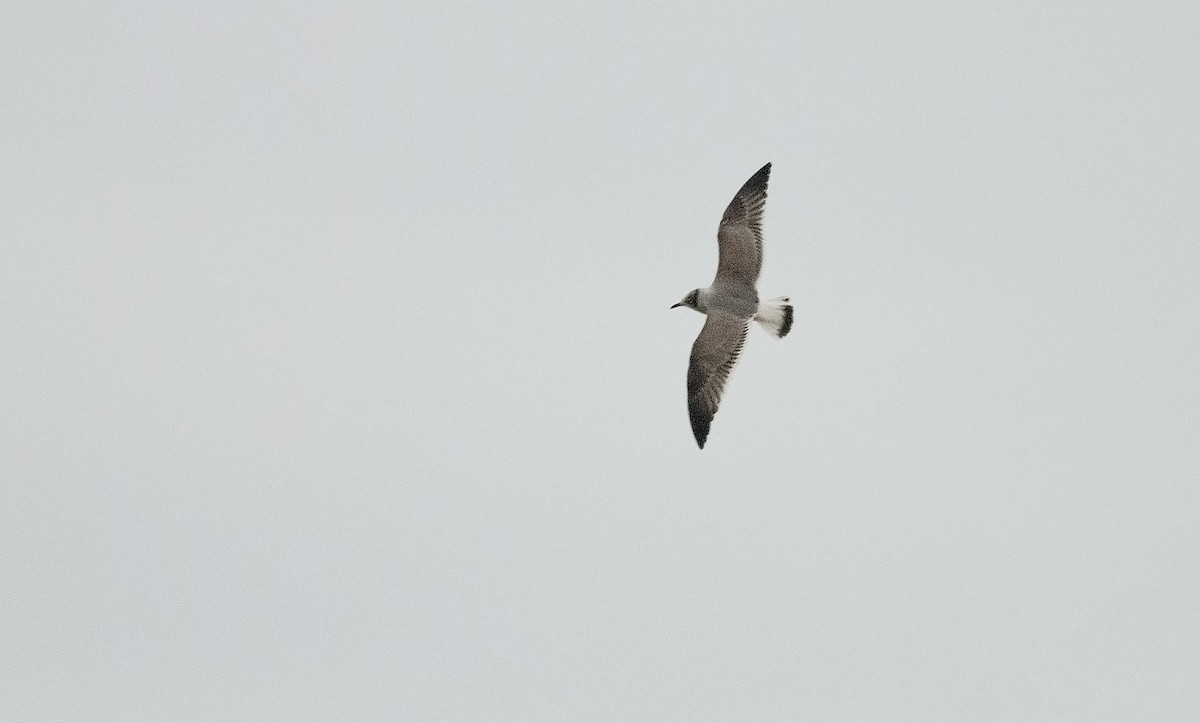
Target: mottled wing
<point>714,353</point>
<point>739,239</point>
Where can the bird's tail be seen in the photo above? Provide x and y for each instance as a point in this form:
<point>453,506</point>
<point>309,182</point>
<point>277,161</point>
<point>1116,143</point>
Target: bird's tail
<point>775,315</point>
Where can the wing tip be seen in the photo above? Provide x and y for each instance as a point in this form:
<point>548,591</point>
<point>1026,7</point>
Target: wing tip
<point>701,423</point>
<point>756,184</point>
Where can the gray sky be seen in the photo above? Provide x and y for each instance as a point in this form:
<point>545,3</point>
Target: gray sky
<point>339,380</point>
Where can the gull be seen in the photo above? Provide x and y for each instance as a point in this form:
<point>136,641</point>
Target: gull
<point>730,303</point>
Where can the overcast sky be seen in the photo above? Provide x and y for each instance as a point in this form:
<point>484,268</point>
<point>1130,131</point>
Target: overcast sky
<point>338,380</point>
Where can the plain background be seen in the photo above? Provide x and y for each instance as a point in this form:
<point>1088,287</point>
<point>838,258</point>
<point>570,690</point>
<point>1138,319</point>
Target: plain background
<point>339,382</point>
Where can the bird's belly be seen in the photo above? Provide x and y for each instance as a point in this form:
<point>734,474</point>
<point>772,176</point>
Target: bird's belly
<point>736,299</point>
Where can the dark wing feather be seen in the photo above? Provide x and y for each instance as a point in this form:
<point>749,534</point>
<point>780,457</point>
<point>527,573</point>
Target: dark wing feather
<point>739,238</point>
<point>714,353</point>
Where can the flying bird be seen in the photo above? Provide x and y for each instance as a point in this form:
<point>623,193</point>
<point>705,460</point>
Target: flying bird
<point>730,303</point>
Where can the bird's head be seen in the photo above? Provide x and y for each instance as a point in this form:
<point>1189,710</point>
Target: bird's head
<point>691,301</point>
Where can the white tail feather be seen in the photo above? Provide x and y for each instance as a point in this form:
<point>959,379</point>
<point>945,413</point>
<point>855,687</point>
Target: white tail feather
<point>775,315</point>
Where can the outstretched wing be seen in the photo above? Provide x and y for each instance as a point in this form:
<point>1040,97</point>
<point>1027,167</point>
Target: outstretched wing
<point>739,238</point>
<point>714,353</point>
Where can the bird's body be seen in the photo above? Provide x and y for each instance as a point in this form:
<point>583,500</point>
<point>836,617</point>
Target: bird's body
<point>730,303</point>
